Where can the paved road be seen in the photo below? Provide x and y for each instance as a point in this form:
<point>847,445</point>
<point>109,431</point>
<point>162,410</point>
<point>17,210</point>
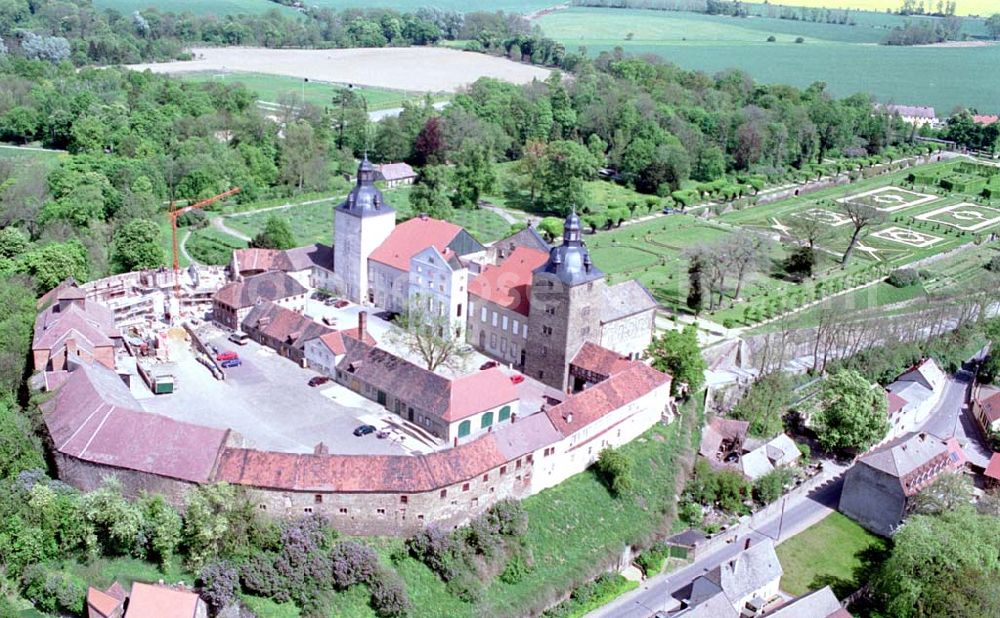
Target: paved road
<point>952,417</point>
<point>800,513</point>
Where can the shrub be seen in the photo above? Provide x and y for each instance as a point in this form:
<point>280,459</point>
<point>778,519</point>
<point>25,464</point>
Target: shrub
<point>220,584</point>
<point>433,547</point>
<point>771,39</point>
<point>651,561</point>
<point>510,516</point>
<point>54,591</point>
<point>994,264</point>
<point>520,565</point>
<point>614,469</point>
<point>353,563</point>
<point>769,487</point>
<point>799,39</point>
<point>903,277</point>
<point>467,585</point>
<point>389,598</point>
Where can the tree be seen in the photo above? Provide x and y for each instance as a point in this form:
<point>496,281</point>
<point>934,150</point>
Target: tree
<point>302,157</point>
<point>13,242</point>
<point>277,234</point>
<point>20,122</point>
<point>136,246</point>
<point>808,230</point>
<point>764,404</point>
<point>429,335</point>
<point>429,148</point>
<point>566,165</point>
<point>993,25</point>
<point>771,486</point>
<point>946,493</point>
<point>747,251</point>
<point>852,412</point>
<point>20,450</point>
<point>677,353</point>
<point>799,263</point>
<point>350,120</point>
<point>474,175</point>
<point>50,48</point>
<point>696,286</point>
<point>551,228</point>
<point>430,193</point>
<point>933,560</point>
<point>862,217</point>
<point>51,264</point>
<point>614,468</point>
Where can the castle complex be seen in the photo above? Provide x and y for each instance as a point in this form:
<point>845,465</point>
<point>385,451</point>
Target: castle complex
<point>567,384</point>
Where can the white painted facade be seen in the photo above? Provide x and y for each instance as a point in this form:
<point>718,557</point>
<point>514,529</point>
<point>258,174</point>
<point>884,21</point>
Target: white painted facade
<point>354,239</point>
<point>389,286</point>
<point>630,335</point>
<point>441,287</point>
<point>497,331</point>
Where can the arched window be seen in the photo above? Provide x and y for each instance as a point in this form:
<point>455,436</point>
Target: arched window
<point>504,414</point>
<point>464,428</point>
<point>487,420</point>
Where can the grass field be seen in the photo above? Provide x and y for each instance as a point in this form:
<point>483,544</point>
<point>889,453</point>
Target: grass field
<point>963,7</point>
<point>198,7</point>
<point>271,89</point>
<point>847,58</point>
<point>464,6</point>
<point>8,151</point>
<point>844,547</point>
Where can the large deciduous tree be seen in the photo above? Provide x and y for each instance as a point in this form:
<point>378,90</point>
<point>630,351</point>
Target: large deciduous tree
<point>429,335</point>
<point>852,412</point>
<point>136,246</point>
<point>474,175</point>
<point>677,353</point>
<point>277,234</point>
<point>863,217</point>
<point>430,193</point>
<point>764,404</point>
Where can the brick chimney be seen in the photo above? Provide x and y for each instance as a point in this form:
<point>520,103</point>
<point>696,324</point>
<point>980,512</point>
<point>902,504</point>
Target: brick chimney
<point>362,325</point>
<point>321,449</point>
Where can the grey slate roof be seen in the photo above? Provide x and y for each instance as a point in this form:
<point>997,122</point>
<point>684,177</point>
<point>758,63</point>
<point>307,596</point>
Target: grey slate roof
<point>272,285</point>
<point>820,603</point>
<point>528,237</point>
<point>625,299</point>
<point>747,571</point>
<point>301,258</point>
<point>905,454</point>
<point>570,262</point>
<point>526,435</point>
<point>365,200</point>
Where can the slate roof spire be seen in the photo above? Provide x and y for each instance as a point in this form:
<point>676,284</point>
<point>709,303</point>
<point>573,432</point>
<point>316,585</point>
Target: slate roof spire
<point>365,199</point>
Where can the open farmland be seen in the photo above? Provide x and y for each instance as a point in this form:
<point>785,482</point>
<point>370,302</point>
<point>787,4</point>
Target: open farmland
<point>963,7</point>
<point>413,69</point>
<point>463,6</point>
<point>274,88</point>
<point>847,58</point>
<point>197,7</point>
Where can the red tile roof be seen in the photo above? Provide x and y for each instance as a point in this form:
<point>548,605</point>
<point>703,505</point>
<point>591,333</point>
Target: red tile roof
<point>600,360</point>
<point>94,417</point>
<point>985,118</point>
<point>588,406</point>
<point>102,602</point>
<point>335,341</point>
<point>149,601</point>
<point>248,260</point>
<point>283,324</point>
<point>509,285</point>
<point>93,323</point>
<point>895,402</point>
<point>993,468</point>
<point>479,391</point>
<point>991,407</point>
<point>361,473</point>
<point>411,237</point>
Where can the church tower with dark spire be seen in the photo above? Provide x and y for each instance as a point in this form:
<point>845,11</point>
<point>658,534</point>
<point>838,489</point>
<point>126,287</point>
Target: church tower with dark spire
<point>567,293</point>
<point>361,223</point>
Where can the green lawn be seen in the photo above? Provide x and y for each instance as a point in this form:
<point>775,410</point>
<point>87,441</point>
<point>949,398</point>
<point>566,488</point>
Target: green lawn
<point>828,553</point>
<point>272,88</point>
<point>847,58</point>
<point>102,572</point>
<point>7,150</point>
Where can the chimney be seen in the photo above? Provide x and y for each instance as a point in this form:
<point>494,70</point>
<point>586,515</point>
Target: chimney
<point>513,417</point>
<point>362,325</point>
<point>746,545</point>
<point>321,449</point>
<point>423,216</point>
<point>569,418</point>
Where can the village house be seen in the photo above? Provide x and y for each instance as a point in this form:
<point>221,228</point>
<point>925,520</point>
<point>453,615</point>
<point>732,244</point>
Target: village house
<point>146,601</point>
<point>779,451</point>
<point>985,119</point>
<point>820,603</point>
<point>311,265</point>
<point>913,395</point>
<point>282,329</point>
<point>396,174</point>
<point>741,586</point>
<point>498,306</point>
<point>526,237</point>
<point>878,487</point>
<point>438,289</point>
<point>912,114</point>
<point>232,303</point>
<point>451,409</point>
<point>70,329</point>
<point>986,409</point>
<point>324,352</point>
<point>389,265</point>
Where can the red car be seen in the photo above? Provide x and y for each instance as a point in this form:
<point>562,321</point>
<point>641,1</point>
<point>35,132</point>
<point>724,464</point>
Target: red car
<point>318,380</point>
<point>224,356</point>
<point>516,378</point>
<point>489,365</point>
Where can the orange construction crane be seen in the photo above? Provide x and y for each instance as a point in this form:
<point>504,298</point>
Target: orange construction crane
<point>177,212</point>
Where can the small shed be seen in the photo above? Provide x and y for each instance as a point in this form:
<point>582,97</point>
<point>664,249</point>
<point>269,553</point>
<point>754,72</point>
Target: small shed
<point>163,385</point>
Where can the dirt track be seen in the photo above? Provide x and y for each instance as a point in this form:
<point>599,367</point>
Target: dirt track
<point>424,69</point>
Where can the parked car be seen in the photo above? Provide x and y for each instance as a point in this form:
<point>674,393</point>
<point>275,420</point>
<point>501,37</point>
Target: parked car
<point>213,348</point>
<point>239,338</point>
<point>489,365</point>
<point>329,302</point>
<point>318,380</point>
<point>668,211</point>
<point>340,304</point>
<point>516,378</point>
<point>232,362</point>
<point>364,430</point>
<point>226,356</point>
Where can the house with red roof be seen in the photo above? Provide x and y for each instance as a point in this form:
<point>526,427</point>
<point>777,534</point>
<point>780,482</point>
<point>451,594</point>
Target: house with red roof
<point>233,302</point>
<point>985,119</point>
<point>71,329</point>
<point>324,352</point>
<point>498,306</point>
<point>389,264</point>
<point>310,265</point>
<point>986,409</point>
<point>283,330</point>
<point>451,409</point>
